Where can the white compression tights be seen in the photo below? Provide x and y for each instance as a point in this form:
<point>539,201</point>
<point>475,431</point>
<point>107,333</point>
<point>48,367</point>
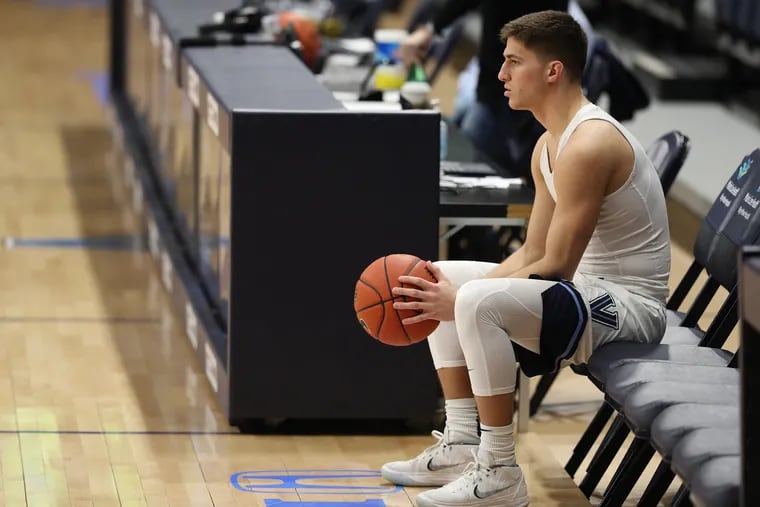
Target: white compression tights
<point>487,315</point>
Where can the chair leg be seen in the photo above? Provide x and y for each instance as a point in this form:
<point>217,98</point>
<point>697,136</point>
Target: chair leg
<point>629,471</point>
<point>657,487</point>
<point>588,438</point>
<point>609,447</point>
<point>682,498</point>
<point>542,388</point>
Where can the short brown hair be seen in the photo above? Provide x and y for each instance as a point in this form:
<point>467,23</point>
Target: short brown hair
<point>553,34</point>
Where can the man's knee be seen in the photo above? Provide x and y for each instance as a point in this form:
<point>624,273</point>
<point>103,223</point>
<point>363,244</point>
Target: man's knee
<point>472,296</point>
<point>466,296</point>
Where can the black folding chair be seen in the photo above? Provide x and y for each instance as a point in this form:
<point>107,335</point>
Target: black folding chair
<point>727,227</point>
<point>668,154</point>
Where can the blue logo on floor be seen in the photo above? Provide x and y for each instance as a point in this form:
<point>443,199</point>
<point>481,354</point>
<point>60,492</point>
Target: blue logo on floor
<point>314,482</point>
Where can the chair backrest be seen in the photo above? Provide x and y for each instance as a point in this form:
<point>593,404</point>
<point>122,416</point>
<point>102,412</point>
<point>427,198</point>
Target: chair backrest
<point>668,153</point>
<point>732,221</point>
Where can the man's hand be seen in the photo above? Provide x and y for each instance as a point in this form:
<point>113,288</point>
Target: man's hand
<point>435,300</point>
<point>414,48</point>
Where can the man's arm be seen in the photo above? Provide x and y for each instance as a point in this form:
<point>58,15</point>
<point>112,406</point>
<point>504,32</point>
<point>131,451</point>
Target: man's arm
<point>416,45</point>
<point>538,224</point>
<point>581,176</point>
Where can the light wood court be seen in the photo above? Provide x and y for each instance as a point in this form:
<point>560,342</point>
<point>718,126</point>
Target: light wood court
<point>101,400</point>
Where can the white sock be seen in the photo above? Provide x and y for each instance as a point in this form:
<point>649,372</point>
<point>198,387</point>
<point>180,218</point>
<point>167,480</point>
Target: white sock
<point>497,445</point>
<point>461,421</point>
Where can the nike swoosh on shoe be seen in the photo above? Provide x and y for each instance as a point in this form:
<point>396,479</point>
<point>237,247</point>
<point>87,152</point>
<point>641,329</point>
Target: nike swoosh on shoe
<point>491,493</point>
<point>438,468</point>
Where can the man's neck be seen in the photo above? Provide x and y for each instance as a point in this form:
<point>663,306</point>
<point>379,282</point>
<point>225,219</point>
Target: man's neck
<point>558,110</point>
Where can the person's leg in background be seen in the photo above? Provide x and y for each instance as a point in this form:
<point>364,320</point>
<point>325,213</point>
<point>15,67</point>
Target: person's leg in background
<point>467,82</point>
<point>507,138</point>
<point>503,134</point>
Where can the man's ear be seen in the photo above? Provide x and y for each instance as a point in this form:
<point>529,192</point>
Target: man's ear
<point>554,71</point>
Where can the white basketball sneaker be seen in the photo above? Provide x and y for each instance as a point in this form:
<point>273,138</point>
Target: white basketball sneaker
<point>480,486</point>
<point>437,465</point>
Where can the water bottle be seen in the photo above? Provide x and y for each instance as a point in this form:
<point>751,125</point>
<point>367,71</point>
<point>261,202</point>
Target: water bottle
<point>444,133</point>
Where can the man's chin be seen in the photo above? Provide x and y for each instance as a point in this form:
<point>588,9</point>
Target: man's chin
<point>515,104</point>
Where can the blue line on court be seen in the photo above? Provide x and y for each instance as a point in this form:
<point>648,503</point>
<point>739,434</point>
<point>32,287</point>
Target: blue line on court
<point>72,3</point>
<point>122,242</point>
<point>117,242</point>
<point>98,82</point>
<point>81,320</point>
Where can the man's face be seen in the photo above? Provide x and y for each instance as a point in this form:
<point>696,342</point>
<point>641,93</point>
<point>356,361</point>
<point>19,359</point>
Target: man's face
<point>523,74</point>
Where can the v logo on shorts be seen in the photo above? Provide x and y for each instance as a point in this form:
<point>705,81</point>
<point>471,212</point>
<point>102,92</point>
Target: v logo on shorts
<point>604,311</point>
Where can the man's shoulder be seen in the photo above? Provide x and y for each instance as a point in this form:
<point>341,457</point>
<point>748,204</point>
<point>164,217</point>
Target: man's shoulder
<point>597,139</point>
<point>595,133</point>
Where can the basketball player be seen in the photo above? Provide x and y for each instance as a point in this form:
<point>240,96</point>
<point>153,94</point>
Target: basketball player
<point>594,269</point>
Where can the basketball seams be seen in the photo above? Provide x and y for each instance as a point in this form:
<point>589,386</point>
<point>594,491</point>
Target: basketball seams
<point>429,272</point>
<point>405,298</point>
<point>381,302</point>
<point>377,277</point>
<point>382,319</point>
<point>390,291</point>
<point>379,297</point>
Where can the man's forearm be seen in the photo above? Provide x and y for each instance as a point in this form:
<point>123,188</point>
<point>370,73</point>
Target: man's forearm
<point>511,264</point>
<point>545,268</point>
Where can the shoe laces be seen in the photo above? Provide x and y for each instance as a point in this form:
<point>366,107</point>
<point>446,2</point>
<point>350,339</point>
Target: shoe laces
<point>438,447</point>
<point>474,472</point>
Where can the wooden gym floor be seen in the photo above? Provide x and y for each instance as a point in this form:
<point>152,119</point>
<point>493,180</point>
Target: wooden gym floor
<point>101,400</point>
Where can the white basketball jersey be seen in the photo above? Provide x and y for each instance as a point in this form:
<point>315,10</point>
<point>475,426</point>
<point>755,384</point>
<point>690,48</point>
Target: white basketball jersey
<point>630,245</point>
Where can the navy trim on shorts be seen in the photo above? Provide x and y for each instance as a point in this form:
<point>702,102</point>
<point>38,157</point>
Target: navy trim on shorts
<point>564,318</point>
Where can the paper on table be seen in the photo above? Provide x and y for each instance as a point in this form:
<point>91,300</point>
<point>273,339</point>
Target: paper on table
<point>389,97</point>
<point>479,182</point>
<point>346,96</point>
<point>342,60</point>
<point>372,106</point>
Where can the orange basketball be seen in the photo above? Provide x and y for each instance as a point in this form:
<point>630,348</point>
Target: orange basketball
<point>373,300</point>
<point>307,32</point>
